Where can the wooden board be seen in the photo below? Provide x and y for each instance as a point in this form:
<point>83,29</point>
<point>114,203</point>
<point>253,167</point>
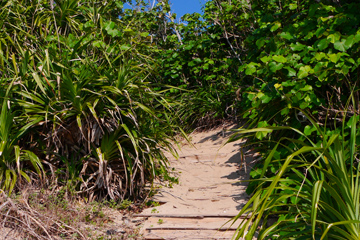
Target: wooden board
<point>185,234</point>
<point>190,228</point>
<point>198,216</point>
<point>221,224</point>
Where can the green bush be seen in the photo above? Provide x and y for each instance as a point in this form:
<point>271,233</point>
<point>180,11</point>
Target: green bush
<point>82,99</point>
<point>314,191</point>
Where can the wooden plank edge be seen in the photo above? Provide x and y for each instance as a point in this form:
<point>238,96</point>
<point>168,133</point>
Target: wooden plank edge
<point>184,237</point>
<point>191,229</point>
<point>190,216</point>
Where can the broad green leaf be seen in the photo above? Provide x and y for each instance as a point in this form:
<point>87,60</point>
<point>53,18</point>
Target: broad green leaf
<point>275,66</point>
<point>304,71</point>
<point>291,71</point>
<point>99,44</point>
<point>357,37</point>
<point>251,96</point>
<point>334,57</point>
<point>286,35</point>
<point>191,63</point>
<point>264,99</point>
<point>309,129</point>
<point>297,46</point>
<point>306,88</point>
<point>109,26</point>
<point>320,55</point>
<point>323,44</point>
<point>51,38</point>
<point>293,6</point>
<point>351,60</point>
<point>285,111</point>
<point>261,135</point>
<point>319,32</point>
<point>250,68</point>
<point>260,42</point>
<point>345,69</point>
<point>260,95</point>
<point>125,47</point>
<point>113,32</point>
<point>275,26</point>
<point>279,58</point>
<point>334,37</point>
<point>340,45</point>
<point>349,41</point>
<point>211,62</point>
<point>144,34</point>
<point>265,59</point>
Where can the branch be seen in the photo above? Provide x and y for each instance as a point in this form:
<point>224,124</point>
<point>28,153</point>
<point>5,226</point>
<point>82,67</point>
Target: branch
<point>175,28</point>
<point>228,41</point>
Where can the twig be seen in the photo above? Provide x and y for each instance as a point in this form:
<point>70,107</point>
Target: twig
<point>228,41</point>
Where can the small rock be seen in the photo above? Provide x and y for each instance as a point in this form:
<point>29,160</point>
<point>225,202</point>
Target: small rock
<point>111,232</point>
<point>126,221</point>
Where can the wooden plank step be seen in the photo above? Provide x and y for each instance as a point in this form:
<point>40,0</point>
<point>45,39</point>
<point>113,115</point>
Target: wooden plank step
<point>189,235</point>
<point>196,216</point>
<point>190,228</point>
<point>217,224</point>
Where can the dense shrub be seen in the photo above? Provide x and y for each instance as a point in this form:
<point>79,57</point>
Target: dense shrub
<point>79,99</point>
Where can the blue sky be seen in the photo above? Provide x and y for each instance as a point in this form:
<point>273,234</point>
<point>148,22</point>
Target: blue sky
<point>181,7</point>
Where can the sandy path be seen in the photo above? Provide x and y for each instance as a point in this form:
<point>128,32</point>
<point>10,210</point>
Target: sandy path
<point>208,194</point>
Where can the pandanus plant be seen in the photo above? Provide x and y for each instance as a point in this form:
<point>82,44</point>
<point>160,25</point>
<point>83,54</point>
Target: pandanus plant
<point>16,164</point>
<point>315,193</point>
<point>84,99</point>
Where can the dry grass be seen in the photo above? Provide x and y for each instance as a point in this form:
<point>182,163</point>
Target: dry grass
<point>40,214</point>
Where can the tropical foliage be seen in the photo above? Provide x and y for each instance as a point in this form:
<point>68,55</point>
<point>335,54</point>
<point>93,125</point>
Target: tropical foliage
<point>315,191</point>
<point>81,103</point>
<point>299,69</point>
<point>92,92</point>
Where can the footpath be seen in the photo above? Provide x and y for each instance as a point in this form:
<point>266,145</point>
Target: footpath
<point>209,192</point>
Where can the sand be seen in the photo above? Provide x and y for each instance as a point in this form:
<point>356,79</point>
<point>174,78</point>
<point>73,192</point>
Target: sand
<point>209,192</point>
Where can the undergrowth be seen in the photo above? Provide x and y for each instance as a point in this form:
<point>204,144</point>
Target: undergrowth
<point>45,214</point>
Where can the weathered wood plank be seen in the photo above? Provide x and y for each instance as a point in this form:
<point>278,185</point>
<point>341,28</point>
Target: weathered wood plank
<point>197,224</point>
<point>192,228</point>
<point>193,235</point>
<point>189,216</point>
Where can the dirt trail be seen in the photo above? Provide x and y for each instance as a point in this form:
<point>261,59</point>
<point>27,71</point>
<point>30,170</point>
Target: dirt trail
<point>208,194</point>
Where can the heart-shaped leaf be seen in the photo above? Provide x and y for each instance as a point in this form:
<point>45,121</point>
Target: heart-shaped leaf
<point>323,44</point>
<point>340,45</point>
<point>275,66</point>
